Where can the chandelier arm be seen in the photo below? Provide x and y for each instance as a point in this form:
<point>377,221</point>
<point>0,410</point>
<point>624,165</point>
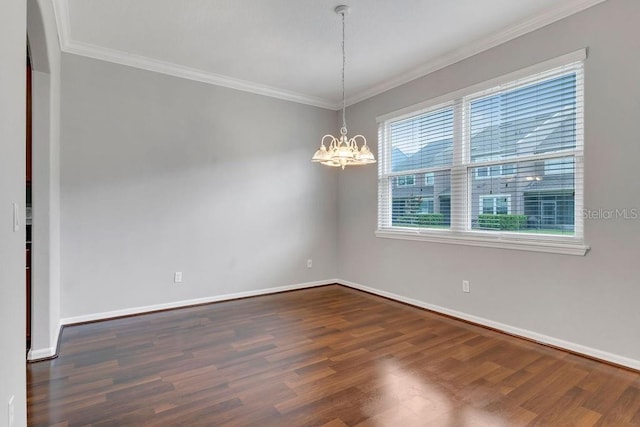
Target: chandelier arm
<point>327,136</point>
<point>334,142</point>
<point>364,140</point>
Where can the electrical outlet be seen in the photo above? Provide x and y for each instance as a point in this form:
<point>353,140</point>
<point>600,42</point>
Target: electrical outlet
<point>177,277</point>
<point>465,286</point>
<point>309,263</point>
<point>11,411</point>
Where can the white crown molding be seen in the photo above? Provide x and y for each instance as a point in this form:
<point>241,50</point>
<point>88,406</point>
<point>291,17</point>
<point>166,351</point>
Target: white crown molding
<point>150,64</point>
<point>562,10</point>
<point>61,14</point>
<point>68,45</point>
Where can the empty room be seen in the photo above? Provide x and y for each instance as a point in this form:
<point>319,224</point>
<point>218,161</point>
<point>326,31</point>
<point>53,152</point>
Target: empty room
<point>314,213</point>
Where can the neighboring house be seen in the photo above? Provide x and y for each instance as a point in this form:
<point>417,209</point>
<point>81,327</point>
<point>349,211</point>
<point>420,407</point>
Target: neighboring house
<point>541,190</point>
<point>422,193</point>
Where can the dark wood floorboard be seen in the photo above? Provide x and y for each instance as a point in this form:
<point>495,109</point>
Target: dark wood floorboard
<point>329,356</point>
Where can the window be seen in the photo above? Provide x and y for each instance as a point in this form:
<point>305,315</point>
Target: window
<point>420,145</point>
<point>501,161</point>
<point>495,171</point>
<point>427,205</point>
<point>495,205</point>
<point>429,178</point>
<point>406,180</point>
<point>558,166</point>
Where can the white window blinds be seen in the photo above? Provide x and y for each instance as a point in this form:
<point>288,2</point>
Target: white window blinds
<point>502,161</point>
<point>420,151</point>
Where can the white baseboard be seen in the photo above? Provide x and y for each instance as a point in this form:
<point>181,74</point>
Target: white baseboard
<point>42,353</point>
<point>46,353</point>
<point>186,303</point>
<point>544,339</point>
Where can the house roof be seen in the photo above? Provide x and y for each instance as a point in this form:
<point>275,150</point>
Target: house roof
<point>537,135</point>
<point>532,119</point>
<point>432,154</point>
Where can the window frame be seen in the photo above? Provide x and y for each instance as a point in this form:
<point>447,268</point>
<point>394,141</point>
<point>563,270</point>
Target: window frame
<point>461,231</point>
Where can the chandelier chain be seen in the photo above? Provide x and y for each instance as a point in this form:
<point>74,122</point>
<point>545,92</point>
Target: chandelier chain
<point>343,151</point>
<point>344,63</point>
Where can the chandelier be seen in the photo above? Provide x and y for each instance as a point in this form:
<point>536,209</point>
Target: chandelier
<point>343,151</point>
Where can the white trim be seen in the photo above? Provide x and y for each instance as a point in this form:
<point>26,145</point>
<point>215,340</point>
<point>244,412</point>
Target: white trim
<point>43,353</point>
<point>68,45</point>
<point>544,339</point>
<point>496,240</point>
<point>176,70</point>
<point>559,11</point>
<point>448,98</point>
<point>186,303</point>
<point>61,13</point>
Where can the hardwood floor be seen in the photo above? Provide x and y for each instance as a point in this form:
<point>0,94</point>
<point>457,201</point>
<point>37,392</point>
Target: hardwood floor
<point>328,356</point>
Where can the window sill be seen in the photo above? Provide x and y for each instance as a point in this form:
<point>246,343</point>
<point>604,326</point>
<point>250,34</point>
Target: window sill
<point>499,241</point>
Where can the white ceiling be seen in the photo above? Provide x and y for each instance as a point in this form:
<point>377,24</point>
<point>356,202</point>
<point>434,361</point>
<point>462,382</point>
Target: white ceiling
<point>290,49</point>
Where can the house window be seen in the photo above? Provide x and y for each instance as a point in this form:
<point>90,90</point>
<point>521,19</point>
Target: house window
<point>422,145</point>
<point>558,166</point>
<point>500,158</point>
<point>427,205</point>
<point>429,178</point>
<point>406,180</point>
<point>495,171</point>
<point>495,205</point>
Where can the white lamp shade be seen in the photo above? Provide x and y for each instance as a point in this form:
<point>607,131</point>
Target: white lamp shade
<point>322,155</point>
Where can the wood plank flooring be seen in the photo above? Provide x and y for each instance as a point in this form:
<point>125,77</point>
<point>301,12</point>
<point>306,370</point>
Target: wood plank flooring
<point>329,356</point>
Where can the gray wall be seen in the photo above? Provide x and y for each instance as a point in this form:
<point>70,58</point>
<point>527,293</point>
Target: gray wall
<point>12,190</point>
<point>591,301</point>
<point>161,174</point>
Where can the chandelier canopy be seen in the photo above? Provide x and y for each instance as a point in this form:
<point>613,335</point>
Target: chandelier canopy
<point>343,151</point>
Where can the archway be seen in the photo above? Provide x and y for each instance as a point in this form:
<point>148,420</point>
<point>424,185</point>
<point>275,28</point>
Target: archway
<point>45,265</point>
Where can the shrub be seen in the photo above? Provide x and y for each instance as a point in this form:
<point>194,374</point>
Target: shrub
<point>502,222</point>
<point>404,221</point>
<point>429,220</point>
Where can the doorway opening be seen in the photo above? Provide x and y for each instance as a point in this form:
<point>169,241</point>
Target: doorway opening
<point>28,200</point>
